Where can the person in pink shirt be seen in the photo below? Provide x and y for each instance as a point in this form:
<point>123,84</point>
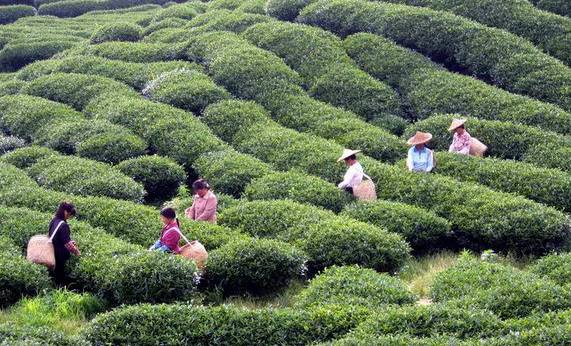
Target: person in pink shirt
<point>170,234</point>
<point>462,139</point>
<point>205,203</point>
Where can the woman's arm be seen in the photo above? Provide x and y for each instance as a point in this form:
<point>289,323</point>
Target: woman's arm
<point>409,164</point>
<point>430,165</point>
<point>189,212</point>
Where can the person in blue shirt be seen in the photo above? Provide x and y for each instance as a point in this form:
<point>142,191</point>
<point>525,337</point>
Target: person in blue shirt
<point>420,158</point>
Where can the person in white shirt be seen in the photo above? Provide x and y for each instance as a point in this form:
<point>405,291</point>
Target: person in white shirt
<point>354,174</point>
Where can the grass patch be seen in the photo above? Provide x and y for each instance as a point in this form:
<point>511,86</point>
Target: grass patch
<point>282,299</point>
<point>420,272</point>
<point>61,310</point>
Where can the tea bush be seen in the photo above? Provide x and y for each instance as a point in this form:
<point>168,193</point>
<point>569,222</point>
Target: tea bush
<point>169,131</point>
<point>423,230</point>
<point>343,242</point>
<point>556,6</point>
<point>504,139</point>
<point>11,87</point>
<point>211,236</point>
<point>226,118</point>
<point>136,75</point>
<point>85,177</point>
<point>74,8</point>
<point>229,171</point>
<point>298,187</point>
<point>284,220</point>
<point>186,89</point>
<point>494,55</point>
<point>525,226</point>
<point>10,143</point>
<point>111,147</point>
<point>428,88</point>
<point>555,267</point>
<point>137,52</point>
<point>222,325</point>
<point>548,186</point>
<point>432,321</point>
<point>354,286</point>
<point>506,291</point>
<point>24,115</point>
<point>285,9</point>
<point>18,276</point>
<point>74,89</point>
<point>521,18</point>
<point>223,20</point>
<point>117,32</point>
<point>9,14</point>
<point>256,266</point>
<point>27,156</point>
<point>13,56</point>
<point>550,155</point>
<point>160,176</point>
<point>281,95</point>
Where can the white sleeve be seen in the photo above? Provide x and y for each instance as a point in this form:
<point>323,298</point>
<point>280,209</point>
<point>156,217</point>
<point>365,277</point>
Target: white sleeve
<point>347,178</point>
<point>409,161</point>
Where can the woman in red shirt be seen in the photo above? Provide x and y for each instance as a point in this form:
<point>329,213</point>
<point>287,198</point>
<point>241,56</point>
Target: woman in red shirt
<point>170,234</point>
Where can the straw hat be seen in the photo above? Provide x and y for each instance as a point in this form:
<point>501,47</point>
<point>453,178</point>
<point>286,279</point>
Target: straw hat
<point>456,123</point>
<point>419,138</point>
<point>347,153</point>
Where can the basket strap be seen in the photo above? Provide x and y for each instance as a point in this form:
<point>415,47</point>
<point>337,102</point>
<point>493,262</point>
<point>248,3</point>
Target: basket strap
<point>179,232</point>
<point>366,176</point>
<point>57,228</point>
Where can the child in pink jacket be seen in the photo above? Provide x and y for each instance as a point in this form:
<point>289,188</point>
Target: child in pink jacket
<point>205,203</point>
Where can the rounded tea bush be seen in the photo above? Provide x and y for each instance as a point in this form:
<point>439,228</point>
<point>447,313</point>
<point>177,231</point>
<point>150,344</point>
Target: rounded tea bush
<point>160,176</point>
<point>285,9</point>
<point>85,177</point>
<point>431,321</point>
<point>341,242</point>
<point>18,276</point>
<point>229,171</point>
<point>116,32</point>
<point>220,325</point>
<point>285,220</point>
<point>502,289</point>
<point>9,14</point>
<point>556,267</point>
<point>421,228</point>
<point>187,89</point>
<point>255,266</point>
<point>10,143</point>
<point>298,187</point>
<point>112,147</point>
<point>27,156</point>
<point>353,285</point>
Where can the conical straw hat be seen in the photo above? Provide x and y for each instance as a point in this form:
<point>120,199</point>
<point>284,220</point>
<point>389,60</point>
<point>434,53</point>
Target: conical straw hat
<point>419,138</point>
<point>347,153</point>
<point>456,123</point>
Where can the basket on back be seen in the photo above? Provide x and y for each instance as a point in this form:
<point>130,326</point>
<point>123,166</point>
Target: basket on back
<point>41,249</point>
<point>477,148</point>
<point>365,191</point>
<point>195,251</point>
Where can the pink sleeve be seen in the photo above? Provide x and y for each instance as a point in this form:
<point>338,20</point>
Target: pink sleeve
<point>209,210</point>
<point>189,212</point>
<point>171,238</point>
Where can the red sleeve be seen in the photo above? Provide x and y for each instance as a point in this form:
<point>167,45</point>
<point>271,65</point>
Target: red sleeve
<point>170,238</point>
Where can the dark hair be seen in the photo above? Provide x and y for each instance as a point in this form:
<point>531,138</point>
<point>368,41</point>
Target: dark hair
<point>461,127</point>
<point>170,213</point>
<point>63,207</point>
<point>352,157</point>
<point>200,184</point>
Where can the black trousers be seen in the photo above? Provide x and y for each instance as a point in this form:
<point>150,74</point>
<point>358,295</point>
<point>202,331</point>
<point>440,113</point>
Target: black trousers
<point>58,274</point>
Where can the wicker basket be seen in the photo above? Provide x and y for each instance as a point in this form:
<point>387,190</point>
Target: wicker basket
<point>41,251</point>
<point>365,191</point>
<point>195,251</point>
<point>477,148</point>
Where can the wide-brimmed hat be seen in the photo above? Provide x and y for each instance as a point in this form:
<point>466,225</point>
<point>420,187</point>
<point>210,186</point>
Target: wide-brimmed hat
<point>347,153</point>
<point>456,123</point>
<point>419,138</point>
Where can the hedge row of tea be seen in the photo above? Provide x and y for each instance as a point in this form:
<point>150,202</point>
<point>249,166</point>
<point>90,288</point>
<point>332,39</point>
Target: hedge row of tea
<point>549,32</point>
<point>494,55</point>
<point>428,88</point>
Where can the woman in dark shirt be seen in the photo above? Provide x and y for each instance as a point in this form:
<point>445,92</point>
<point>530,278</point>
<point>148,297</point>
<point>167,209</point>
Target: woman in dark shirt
<point>63,245</point>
